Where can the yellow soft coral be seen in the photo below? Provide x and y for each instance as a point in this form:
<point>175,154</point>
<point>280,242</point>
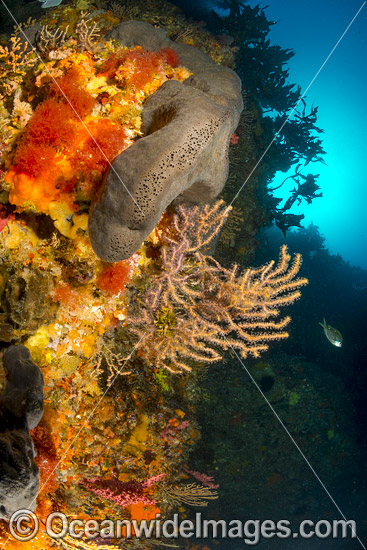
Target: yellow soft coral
<point>34,193</point>
<point>67,221</point>
<point>16,234</point>
<point>37,344</point>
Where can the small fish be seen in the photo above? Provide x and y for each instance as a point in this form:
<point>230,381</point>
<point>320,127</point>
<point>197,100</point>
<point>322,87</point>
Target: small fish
<point>332,334</point>
<point>50,3</point>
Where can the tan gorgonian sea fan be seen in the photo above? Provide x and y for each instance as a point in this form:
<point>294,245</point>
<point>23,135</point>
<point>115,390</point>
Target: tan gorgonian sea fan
<point>195,308</point>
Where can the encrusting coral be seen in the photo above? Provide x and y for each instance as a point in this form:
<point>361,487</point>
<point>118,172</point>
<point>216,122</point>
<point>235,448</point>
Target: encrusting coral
<point>122,493</point>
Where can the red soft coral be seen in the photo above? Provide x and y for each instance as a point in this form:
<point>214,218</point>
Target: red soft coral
<point>46,458</point>
<point>66,296</point>
<point>50,128</point>
<point>142,64</point>
<point>69,88</point>
<point>169,56</point>
<point>137,67</point>
<point>112,63</point>
<point>98,151</point>
<point>33,159</point>
<point>51,124</point>
<point>114,277</point>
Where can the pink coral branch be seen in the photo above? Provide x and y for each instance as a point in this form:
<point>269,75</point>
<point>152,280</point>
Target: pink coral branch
<point>206,480</point>
<point>122,493</point>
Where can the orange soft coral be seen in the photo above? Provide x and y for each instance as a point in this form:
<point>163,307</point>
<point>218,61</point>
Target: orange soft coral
<point>38,176</point>
<point>50,129</point>
<point>139,68</point>
<point>111,64</point>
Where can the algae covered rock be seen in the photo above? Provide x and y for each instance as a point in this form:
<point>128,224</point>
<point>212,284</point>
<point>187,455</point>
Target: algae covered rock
<point>21,408</point>
<point>184,152</point>
<point>25,301</point>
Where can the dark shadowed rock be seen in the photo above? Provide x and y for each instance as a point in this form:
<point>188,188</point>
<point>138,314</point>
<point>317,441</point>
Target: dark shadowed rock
<point>184,152</point>
<point>19,475</point>
<point>23,393</point>
<point>21,408</point>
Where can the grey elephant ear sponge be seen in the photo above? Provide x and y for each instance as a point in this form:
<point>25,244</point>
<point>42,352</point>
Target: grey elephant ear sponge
<point>184,152</point>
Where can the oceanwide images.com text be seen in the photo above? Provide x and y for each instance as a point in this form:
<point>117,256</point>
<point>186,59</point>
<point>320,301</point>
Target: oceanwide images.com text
<point>24,525</point>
